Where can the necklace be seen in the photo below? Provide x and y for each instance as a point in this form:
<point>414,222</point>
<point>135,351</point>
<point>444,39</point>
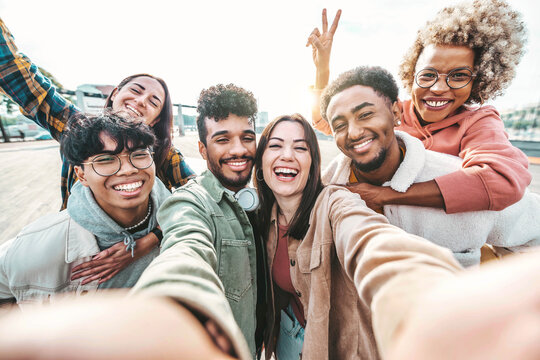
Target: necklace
<point>143,220</point>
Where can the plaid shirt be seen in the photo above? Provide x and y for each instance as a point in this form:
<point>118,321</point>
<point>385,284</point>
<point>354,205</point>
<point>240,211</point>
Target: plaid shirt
<point>38,99</point>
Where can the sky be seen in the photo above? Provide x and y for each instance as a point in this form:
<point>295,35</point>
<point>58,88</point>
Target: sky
<point>259,45</point>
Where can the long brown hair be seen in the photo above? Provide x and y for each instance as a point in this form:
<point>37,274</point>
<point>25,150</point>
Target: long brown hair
<point>300,221</point>
<point>163,127</point>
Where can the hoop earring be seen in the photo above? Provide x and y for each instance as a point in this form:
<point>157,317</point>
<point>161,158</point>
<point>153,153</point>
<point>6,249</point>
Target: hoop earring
<point>260,178</point>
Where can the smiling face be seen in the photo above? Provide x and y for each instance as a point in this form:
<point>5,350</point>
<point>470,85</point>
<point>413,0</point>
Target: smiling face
<point>142,97</point>
<point>230,150</point>
<point>286,160</point>
<point>440,101</point>
<point>363,125</point>
<point>127,191</point>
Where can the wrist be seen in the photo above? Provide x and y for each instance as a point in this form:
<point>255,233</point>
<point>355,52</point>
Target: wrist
<point>159,234</point>
<point>321,78</point>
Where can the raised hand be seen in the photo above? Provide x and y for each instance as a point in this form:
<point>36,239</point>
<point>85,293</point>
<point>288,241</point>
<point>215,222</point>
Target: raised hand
<point>321,43</point>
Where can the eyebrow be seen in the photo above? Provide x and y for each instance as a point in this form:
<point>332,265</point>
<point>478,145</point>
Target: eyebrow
<point>280,139</point>
<point>143,88</point>
<point>353,110</point>
<point>225,132</point>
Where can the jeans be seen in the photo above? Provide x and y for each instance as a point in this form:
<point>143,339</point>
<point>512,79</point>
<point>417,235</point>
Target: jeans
<point>291,336</point>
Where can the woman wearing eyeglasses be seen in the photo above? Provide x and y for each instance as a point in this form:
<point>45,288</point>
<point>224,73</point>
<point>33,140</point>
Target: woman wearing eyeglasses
<point>141,96</point>
<point>464,56</point>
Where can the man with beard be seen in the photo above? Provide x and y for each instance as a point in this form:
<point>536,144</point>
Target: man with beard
<point>362,108</point>
<point>206,229</point>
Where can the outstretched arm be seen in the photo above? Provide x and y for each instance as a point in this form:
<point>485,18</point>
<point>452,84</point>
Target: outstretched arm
<point>107,326</point>
<point>23,83</point>
<point>321,44</point>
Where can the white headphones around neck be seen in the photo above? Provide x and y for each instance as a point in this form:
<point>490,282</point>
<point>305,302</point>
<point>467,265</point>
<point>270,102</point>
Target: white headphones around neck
<point>247,198</point>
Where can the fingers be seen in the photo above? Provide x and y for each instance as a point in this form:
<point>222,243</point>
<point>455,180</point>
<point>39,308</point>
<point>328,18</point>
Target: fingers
<point>90,272</point>
<point>324,21</point>
<point>335,23</point>
<point>316,42</point>
<point>88,265</point>
<point>101,276</point>
<point>219,338</point>
<point>315,33</point>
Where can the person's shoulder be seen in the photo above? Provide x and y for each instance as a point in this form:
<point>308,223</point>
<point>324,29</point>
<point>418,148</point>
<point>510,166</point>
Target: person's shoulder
<point>49,221</point>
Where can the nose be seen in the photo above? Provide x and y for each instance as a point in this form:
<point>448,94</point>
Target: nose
<point>126,168</point>
<point>440,85</point>
<point>286,153</point>
<point>355,131</point>
<point>238,148</point>
<point>140,100</point>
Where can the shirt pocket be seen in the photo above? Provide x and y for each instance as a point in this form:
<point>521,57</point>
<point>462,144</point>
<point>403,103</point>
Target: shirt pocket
<point>311,264</point>
<point>234,268</point>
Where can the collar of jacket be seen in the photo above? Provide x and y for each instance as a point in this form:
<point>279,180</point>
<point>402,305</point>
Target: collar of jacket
<point>212,185</point>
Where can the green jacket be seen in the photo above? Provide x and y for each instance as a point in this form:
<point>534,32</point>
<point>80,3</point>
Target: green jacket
<point>206,232</point>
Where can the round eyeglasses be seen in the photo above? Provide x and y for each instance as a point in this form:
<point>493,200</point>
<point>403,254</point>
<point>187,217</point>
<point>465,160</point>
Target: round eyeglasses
<point>455,79</point>
<point>110,164</point>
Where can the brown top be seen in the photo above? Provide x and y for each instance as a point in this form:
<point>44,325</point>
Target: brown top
<point>357,277</point>
<point>281,273</point>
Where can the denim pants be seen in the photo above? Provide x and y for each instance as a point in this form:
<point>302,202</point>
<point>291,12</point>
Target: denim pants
<point>291,336</point>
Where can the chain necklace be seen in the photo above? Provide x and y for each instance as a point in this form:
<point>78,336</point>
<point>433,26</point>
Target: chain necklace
<point>143,220</point>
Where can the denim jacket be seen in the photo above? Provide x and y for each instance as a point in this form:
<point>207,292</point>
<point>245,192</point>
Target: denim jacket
<point>206,232</point>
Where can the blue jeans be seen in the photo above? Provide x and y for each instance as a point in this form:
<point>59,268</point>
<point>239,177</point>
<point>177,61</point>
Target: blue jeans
<point>291,336</point>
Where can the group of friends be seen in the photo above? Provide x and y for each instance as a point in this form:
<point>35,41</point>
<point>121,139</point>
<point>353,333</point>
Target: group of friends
<point>366,259</point>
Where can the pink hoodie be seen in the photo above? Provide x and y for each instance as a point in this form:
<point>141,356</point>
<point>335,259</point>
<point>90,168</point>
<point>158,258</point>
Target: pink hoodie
<point>494,173</point>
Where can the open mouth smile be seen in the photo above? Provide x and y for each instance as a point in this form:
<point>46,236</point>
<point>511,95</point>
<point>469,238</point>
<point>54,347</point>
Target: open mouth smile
<point>129,188</point>
<point>285,173</point>
<point>361,146</point>
<point>436,104</point>
<point>133,110</point>
<point>237,164</point>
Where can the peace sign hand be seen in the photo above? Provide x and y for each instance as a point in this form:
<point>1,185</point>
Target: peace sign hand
<point>322,47</point>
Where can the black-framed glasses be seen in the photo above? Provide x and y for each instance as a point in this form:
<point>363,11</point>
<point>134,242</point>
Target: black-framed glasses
<point>455,79</point>
<point>110,164</point>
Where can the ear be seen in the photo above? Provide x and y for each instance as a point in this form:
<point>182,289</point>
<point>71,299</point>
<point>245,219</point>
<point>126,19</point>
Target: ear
<point>396,111</point>
<point>79,171</point>
<point>113,93</point>
<point>202,150</point>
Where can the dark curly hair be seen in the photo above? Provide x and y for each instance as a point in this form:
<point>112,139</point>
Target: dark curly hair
<point>81,139</point>
<point>491,28</point>
<point>217,102</point>
<point>377,78</point>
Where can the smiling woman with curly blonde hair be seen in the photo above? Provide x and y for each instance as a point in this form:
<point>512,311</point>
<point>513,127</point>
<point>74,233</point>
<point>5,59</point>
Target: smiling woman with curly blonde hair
<point>465,55</point>
<point>491,29</point>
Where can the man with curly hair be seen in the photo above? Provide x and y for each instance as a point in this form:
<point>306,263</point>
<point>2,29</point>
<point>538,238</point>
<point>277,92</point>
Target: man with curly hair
<point>466,55</point>
<point>207,231</point>
<point>362,107</point>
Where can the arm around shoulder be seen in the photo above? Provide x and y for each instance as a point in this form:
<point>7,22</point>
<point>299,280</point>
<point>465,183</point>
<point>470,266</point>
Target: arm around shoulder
<point>494,173</point>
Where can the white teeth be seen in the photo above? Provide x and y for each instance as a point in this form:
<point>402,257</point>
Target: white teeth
<point>286,171</point>
<point>362,144</point>
<point>437,103</point>
<point>134,110</point>
<point>128,187</point>
<point>237,163</point>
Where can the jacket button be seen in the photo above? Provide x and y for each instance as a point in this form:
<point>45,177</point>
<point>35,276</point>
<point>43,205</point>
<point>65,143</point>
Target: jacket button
<point>298,293</point>
<point>293,262</point>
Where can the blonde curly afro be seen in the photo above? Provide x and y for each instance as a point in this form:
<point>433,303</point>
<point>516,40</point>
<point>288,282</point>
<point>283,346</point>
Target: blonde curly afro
<point>494,32</point>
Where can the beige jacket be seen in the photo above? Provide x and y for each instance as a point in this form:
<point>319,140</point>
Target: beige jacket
<point>357,277</point>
